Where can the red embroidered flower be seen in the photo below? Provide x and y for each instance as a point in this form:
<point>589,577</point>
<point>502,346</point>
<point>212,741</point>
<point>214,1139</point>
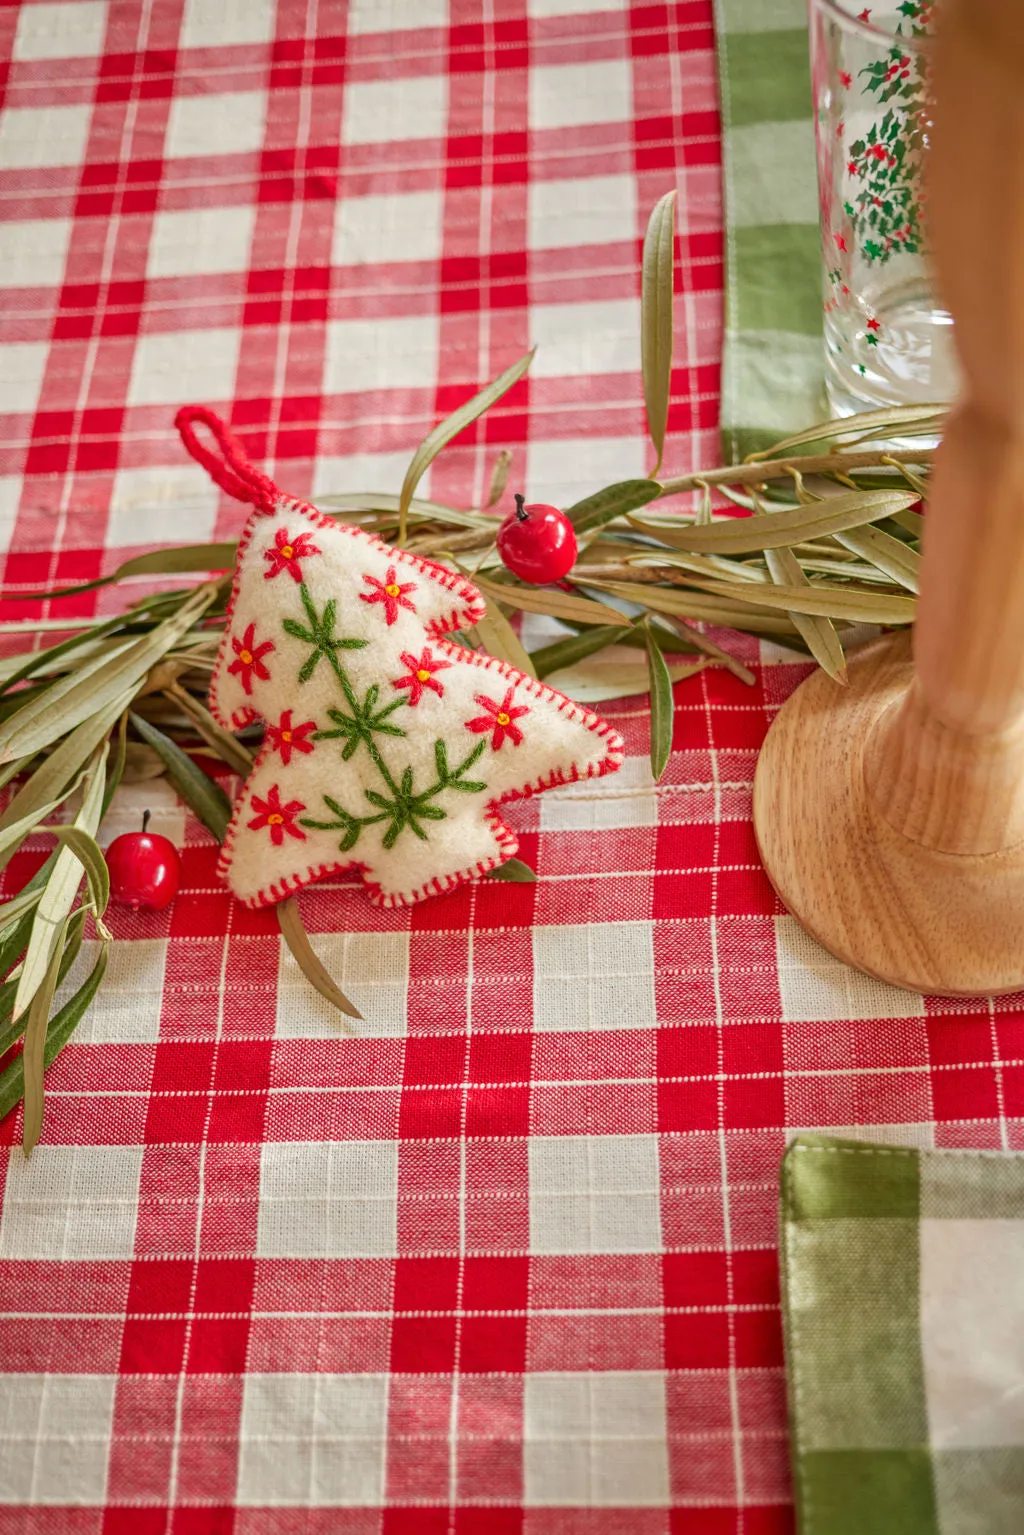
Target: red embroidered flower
<point>286,554</point>
<point>874,325</point>
<point>840,241</point>
<point>391,592</point>
<point>248,662</point>
<point>864,15</point>
<point>287,738</point>
<point>280,818</point>
<point>852,168</point>
<point>846,79</point>
<point>499,718</point>
<point>421,674</point>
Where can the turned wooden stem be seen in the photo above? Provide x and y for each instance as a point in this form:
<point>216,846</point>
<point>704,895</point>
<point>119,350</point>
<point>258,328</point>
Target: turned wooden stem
<point>946,767</point>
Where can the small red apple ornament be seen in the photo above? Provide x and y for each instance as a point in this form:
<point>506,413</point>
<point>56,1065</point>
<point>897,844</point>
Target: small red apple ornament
<point>144,869</point>
<point>537,543</point>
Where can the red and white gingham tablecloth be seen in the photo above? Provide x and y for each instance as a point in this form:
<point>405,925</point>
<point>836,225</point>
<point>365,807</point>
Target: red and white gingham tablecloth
<point>505,1262</point>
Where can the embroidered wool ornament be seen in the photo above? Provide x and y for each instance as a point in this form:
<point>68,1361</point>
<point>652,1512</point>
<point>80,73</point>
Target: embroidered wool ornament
<point>388,748</point>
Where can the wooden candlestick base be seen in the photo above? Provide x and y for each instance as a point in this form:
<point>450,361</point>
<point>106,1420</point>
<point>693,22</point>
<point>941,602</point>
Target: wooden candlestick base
<point>951,923</point>
<point>890,815</point>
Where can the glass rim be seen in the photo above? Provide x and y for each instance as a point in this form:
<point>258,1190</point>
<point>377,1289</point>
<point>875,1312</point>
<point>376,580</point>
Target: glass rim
<point>870,30</point>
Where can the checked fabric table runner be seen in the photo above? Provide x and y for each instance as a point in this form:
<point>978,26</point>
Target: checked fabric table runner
<point>505,1260</point>
<point>904,1338</point>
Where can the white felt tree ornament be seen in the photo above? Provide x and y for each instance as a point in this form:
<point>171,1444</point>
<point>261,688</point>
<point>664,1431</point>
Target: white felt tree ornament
<point>388,748</point>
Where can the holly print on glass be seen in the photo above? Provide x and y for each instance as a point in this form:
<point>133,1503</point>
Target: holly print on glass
<point>885,205</point>
<point>387,748</point>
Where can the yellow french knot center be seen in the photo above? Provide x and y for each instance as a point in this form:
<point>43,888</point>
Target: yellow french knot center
<point>422,675</point>
<point>393,591</point>
<point>275,819</point>
<point>245,656</point>
<point>287,552</point>
<point>503,719</point>
<point>286,735</point>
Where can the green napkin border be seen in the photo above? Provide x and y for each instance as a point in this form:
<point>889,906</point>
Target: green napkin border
<point>772,357</point>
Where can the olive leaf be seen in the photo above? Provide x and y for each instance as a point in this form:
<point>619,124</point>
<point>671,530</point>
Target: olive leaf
<point>549,600</point>
<point>662,707</point>
<point>819,633</point>
<point>179,560</point>
<point>702,608</point>
<point>227,747</point>
<point>499,639</point>
<point>514,870</point>
<point>499,477</point>
<point>45,719</point>
<point>61,1026</point>
<point>12,1032</point>
<point>831,602</point>
<point>746,535</point>
<point>89,854</point>
<point>33,1063</point>
<point>615,679</point>
<point>893,419</point>
<point>295,936</point>
<point>38,978</point>
<point>204,798</point>
<point>381,503</point>
<point>614,501</point>
<point>564,653</point>
<point>450,427</point>
<point>70,650</point>
<point>61,888</point>
<point>888,554</point>
<point>656,319</point>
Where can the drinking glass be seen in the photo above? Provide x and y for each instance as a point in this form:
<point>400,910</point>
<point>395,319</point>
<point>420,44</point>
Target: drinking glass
<point>888,340</point>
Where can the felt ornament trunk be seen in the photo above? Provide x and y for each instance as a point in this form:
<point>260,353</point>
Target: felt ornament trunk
<point>389,747</point>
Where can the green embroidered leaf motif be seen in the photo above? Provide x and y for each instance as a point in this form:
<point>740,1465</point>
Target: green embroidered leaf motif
<point>362,724</point>
<point>309,666</point>
<point>478,751</point>
<point>319,634</point>
<point>391,835</point>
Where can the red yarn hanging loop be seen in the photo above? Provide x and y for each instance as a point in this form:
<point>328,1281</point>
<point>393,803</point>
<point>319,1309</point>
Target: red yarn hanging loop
<point>231,470</point>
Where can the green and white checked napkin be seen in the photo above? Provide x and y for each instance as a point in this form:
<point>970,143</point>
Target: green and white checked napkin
<point>772,361</point>
<point>903,1297</point>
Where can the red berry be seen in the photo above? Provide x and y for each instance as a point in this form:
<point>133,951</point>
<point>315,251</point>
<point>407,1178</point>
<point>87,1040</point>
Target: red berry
<point>537,543</point>
<point>144,869</point>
